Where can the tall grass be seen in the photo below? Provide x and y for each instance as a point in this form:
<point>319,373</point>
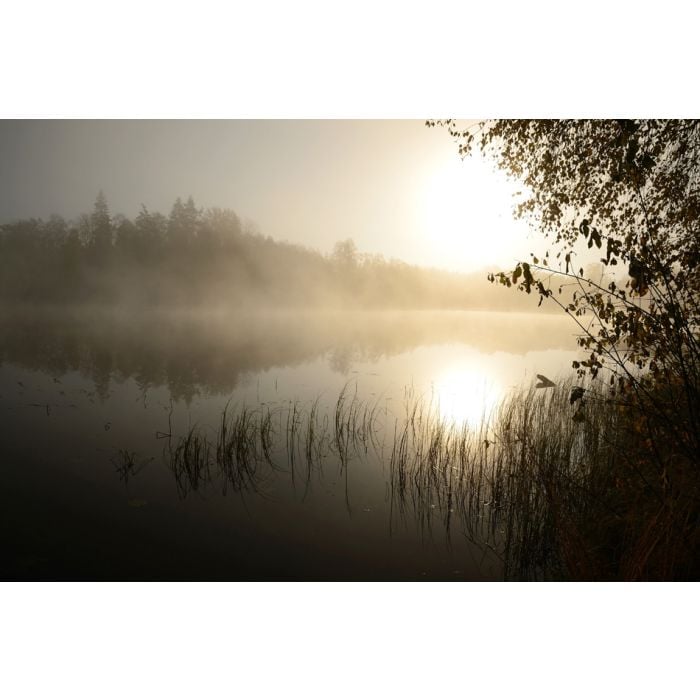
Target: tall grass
<point>557,488</point>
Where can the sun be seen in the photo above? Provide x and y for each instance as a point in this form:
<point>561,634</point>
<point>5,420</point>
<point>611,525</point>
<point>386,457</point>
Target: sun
<point>467,215</point>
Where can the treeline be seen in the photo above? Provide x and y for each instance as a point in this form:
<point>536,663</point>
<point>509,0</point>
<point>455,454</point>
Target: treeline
<point>196,256</point>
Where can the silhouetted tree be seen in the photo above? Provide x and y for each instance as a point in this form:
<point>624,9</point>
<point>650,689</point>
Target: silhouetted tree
<point>345,253</point>
<point>183,221</point>
<point>151,234</point>
<point>55,231</point>
<point>220,227</point>
<point>101,223</point>
<point>125,232</point>
<point>630,189</point>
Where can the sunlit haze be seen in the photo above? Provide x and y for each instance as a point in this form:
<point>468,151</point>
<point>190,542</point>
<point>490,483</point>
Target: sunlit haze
<point>396,188</point>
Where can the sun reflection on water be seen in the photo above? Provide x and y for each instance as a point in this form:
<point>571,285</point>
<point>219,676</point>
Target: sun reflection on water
<point>467,395</point>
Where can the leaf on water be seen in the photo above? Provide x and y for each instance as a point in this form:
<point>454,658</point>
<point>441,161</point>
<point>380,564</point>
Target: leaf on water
<point>137,503</point>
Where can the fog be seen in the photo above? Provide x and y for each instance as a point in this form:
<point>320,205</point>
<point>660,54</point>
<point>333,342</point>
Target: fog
<point>193,351</point>
<point>194,257</point>
<point>195,395</point>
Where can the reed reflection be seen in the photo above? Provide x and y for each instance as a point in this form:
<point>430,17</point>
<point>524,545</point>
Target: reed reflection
<point>485,482</point>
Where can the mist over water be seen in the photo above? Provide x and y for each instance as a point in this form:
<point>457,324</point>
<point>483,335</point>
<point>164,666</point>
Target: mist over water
<point>94,401</point>
<point>186,397</point>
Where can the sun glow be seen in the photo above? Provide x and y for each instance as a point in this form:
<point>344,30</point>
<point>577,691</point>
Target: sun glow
<point>467,213</point>
<point>467,395</point>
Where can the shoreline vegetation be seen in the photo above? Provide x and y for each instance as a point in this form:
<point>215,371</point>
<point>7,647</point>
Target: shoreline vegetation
<point>557,483</point>
<point>626,189</point>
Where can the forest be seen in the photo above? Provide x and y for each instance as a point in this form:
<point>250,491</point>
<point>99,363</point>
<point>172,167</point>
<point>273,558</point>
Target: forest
<point>196,257</point>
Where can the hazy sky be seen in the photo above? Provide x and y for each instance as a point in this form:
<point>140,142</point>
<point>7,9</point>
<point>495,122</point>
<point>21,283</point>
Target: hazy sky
<point>395,187</point>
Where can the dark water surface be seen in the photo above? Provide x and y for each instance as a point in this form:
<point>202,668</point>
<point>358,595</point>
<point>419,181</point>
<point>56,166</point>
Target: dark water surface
<point>80,390</point>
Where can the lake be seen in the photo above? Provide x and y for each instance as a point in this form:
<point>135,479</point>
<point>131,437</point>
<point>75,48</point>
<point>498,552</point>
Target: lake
<point>100,481</point>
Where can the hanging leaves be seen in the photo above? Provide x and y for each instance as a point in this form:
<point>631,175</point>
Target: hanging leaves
<point>631,187</point>
<point>577,393</point>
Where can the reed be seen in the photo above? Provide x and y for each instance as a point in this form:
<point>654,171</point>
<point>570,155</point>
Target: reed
<point>124,462</point>
<point>191,461</point>
<point>555,487</point>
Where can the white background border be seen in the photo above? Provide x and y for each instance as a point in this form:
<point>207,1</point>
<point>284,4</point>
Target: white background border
<point>351,60</point>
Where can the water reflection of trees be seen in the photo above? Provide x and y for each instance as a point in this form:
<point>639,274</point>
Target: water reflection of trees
<point>188,353</point>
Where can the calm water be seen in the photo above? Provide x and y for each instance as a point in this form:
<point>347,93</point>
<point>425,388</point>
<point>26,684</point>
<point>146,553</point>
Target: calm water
<point>78,389</point>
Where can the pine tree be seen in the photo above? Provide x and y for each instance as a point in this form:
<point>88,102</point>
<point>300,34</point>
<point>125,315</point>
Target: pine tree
<point>101,223</point>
